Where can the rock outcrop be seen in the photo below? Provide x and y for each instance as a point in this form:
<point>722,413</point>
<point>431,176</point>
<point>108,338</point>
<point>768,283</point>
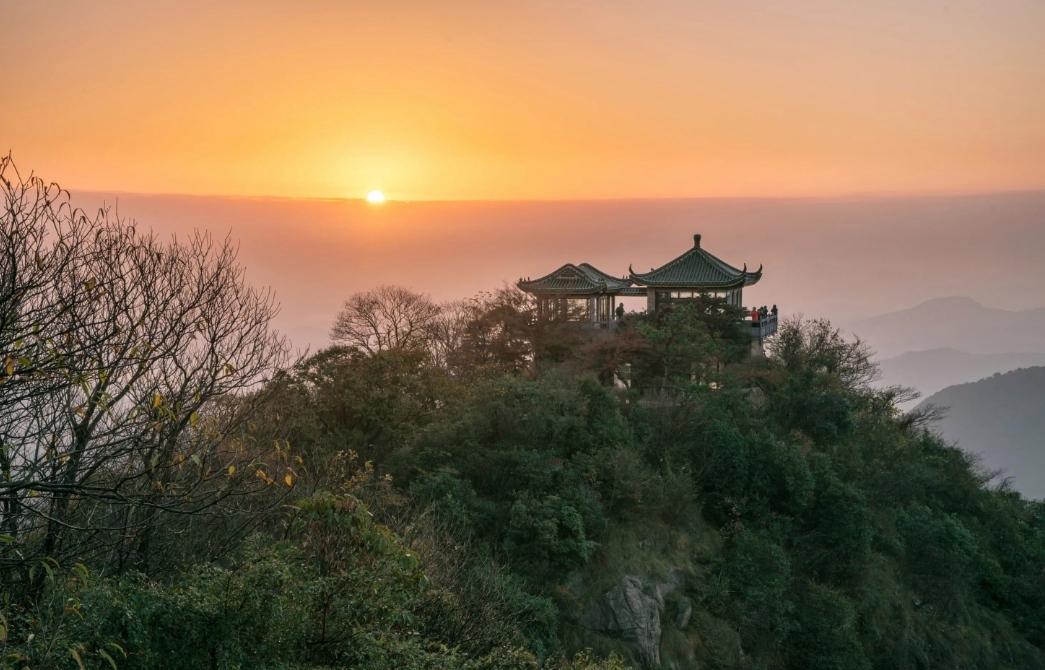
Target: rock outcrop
<point>632,611</point>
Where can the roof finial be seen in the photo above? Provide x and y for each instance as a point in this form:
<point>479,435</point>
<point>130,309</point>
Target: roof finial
<point>696,240</point>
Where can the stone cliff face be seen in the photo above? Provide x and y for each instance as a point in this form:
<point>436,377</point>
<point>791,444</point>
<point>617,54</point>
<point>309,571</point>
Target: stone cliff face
<point>633,612</point>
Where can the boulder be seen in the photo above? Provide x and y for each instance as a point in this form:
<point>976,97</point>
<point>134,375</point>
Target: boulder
<point>631,611</point>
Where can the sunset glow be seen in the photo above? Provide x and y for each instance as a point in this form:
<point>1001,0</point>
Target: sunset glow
<point>375,197</point>
<point>477,100</point>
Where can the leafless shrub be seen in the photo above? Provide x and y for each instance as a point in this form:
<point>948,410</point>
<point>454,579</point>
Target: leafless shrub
<point>119,355</point>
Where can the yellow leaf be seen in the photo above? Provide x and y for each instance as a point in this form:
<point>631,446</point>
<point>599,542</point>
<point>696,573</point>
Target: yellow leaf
<point>9,366</point>
<point>157,400</point>
<point>194,418</point>
<point>288,479</point>
<point>232,470</point>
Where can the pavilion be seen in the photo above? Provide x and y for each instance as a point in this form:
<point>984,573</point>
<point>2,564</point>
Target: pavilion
<point>586,294</point>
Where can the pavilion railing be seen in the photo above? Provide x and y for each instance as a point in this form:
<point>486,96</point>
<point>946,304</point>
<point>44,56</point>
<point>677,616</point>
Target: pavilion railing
<point>764,326</point>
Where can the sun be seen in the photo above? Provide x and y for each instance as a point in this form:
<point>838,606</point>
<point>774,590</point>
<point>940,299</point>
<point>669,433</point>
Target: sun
<point>375,197</point>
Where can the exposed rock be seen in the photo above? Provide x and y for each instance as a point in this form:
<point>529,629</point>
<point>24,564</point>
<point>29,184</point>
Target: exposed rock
<point>631,611</point>
<point>756,396</point>
<point>683,613</point>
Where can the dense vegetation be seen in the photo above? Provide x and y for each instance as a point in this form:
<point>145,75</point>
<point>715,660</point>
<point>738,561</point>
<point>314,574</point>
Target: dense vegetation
<point>464,486</point>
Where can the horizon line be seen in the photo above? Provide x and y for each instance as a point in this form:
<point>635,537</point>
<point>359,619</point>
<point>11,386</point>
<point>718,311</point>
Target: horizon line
<point>854,195</point>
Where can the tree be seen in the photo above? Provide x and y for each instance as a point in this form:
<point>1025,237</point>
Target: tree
<point>818,347</point>
<point>825,633</point>
<point>500,333</point>
<point>387,318</point>
<point>120,352</point>
<point>687,342</point>
<point>447,332</point>
<point>759,574</point>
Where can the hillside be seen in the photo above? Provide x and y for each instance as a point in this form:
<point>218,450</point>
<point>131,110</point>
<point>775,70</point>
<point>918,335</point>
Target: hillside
<point>1001,419</point>
<point>931,370</point>
<point>954,323</point>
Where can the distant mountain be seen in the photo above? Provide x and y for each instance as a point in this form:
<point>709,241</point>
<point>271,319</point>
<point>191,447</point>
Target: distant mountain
<point>930,370</point>
<point>1001,418</point>
<point>954,323</point>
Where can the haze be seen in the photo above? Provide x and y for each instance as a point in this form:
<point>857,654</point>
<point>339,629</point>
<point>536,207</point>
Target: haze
<point>844,259</point>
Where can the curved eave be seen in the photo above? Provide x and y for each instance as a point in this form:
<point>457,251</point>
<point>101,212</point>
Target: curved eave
<point>743,278</point>
<point>592,280</point>
<point>564,266</point>
<point>751,278</point>
<point>612,283</point>
<point>739,282</point>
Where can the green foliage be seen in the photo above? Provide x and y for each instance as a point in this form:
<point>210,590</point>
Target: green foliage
<point>451,498</point>
<point>824,636</point>
<point>346,594</point>
<point>547,535</point>
<point>584,660</point>
<point>939,552</point>
<point>837,544</point>
<point>758,574</point>
<point>688,342</point>
<point>778,513</point>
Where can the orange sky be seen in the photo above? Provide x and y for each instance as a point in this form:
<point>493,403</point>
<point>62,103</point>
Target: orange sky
<point>533,100</point>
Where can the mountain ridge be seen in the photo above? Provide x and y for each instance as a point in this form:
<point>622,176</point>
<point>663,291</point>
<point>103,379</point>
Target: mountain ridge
<point>931,370</point>
<point>953,322</point>
<point>1001,419</point>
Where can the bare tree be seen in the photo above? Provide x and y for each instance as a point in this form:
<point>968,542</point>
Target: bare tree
<point>446,333</point>
<point>120,354</point>
<point>387,318</point>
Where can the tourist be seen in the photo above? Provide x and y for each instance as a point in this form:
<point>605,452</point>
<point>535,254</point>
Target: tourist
<point>620,311</point>
<point>754,314</point>
<point>773,311</point>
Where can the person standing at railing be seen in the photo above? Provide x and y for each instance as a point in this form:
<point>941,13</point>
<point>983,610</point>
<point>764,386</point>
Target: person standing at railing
<point>754,315</point>
<point>773,311</point>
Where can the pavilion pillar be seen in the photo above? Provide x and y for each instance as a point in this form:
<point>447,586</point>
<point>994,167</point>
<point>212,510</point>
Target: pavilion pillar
<point>651,300</point>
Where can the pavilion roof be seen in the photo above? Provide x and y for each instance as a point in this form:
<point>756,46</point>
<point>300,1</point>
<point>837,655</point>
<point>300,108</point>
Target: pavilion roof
<point>697,269</point>
<point>570,279</point>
